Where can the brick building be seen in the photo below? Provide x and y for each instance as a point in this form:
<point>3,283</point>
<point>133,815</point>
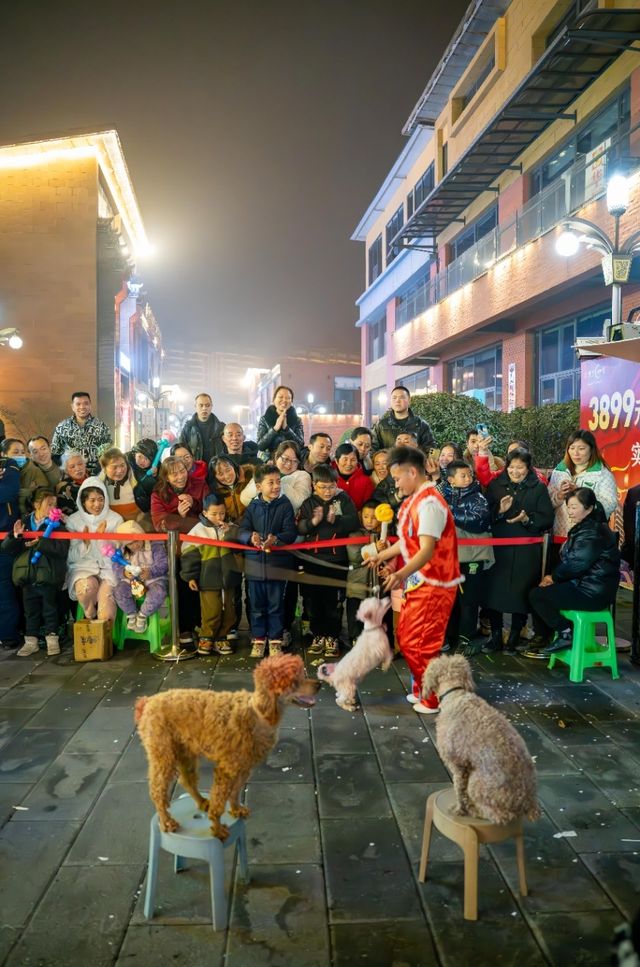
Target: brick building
<point>70,232</point>
<point>529,110</point>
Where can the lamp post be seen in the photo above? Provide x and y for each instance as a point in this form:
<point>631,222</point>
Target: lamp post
<point>155,397</point>
<point>309,409</point>
<point>10,337</point>
<point>617,256</point>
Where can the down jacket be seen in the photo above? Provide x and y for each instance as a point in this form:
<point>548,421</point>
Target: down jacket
<point>85,557</point>
<point>203,439</point>
<point>387,428</point>
<point>472,518</point>
<point>214,568</point>
<point>267,517</point>
<point>50,569</point>
<point>269,438</point>
<point>590,560</point>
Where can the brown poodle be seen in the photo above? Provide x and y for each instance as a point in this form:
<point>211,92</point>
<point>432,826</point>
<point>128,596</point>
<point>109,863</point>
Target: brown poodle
<point>235,730</point>
<point>493,773</point>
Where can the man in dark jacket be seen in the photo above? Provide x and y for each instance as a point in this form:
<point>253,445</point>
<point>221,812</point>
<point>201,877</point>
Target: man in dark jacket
<point>9,514</point>
<point>203,432</point>
<point>400,418</point>
<point>239,450</point>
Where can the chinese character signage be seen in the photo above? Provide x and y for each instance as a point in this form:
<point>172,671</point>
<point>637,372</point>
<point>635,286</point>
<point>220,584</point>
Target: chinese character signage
<point>610,408</point>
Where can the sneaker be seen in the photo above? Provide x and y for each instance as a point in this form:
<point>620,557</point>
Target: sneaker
<point>305,628</point>
<point>132,620</point>
<point>53,645</point>
<point>316,647</point>
<point>484,628</point>
<point>425,709</point>
<point>233,635</point>
<point>286,640</point>
<point>412,699</point>
<point>186,637</point>
<point>275,646</point>
<point>331,648</point>
<point>223,646</point>
<point>205,646</point>
<point>258,647</point>
<point>30,647</point>
<point>141,623</point>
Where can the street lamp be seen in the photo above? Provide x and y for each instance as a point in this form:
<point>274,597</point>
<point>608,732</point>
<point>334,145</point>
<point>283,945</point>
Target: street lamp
<point>11,338</point>
<point>617,256</point>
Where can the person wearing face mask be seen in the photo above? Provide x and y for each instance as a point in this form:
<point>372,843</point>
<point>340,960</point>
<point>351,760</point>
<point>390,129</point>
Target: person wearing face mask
<point>351,477</point>
<point>32,478</point>
<point>203,432</point>
<point>520,507</point>
<point>280,422</point>
<point>81,431</point>
<point>581,466</point>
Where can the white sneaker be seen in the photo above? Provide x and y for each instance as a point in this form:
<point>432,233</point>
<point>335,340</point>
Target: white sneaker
<point>141,623</point>
<point>30,647</point>
<point>131,621</point>
<point>53,645</point>
<point>424,709</point>
<point>412,699</point>
<point>233,635</point>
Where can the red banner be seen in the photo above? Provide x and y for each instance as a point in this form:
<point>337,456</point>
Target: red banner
<point>610,408</point>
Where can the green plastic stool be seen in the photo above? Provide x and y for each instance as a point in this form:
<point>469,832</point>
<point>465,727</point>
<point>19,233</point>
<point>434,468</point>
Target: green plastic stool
<point>585,651</point>
<point>158,630</point>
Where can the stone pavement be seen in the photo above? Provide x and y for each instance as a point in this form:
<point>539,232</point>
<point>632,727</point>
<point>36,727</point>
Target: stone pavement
<point>335,831</point>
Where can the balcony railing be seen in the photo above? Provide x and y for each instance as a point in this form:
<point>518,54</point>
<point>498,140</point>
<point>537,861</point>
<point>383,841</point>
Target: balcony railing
<point>578,185</point>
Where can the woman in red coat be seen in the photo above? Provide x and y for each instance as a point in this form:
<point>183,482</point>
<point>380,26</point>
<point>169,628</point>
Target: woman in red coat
<point>351,477</point>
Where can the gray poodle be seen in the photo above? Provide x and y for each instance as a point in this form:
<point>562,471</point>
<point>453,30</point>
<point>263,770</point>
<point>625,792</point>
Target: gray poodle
<point>493,774</point>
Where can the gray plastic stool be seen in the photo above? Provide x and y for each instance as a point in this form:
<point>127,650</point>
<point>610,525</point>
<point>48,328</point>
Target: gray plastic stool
<point>194,841</point>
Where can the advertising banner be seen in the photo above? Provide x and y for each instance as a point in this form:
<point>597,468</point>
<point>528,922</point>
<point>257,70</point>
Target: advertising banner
<point>610,408</point>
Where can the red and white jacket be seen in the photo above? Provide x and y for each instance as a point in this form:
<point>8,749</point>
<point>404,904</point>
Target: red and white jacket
<point>443,570</point>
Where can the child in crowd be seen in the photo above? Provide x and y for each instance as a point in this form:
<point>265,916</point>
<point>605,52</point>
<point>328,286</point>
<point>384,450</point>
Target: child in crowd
<point>39,579</point>
<point>267,522</point>
<point>32,478</point>
<point>431,573</point>
<point>360,580</point>
<point>151,558</point>
<point>327,514</point>
<point>90,576</point>
<point>215,572</point>
<point>74,473</point>
<point>127,496</point>
<point>407,440</point>
<point>472,518</point>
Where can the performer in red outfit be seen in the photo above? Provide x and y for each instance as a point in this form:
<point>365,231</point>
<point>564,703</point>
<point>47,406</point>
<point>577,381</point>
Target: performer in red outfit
<point>428,544</point>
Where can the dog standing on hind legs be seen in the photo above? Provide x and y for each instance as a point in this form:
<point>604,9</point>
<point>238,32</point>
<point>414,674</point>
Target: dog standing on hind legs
<point>493,774</point>
<point>235,730</point>
<point>370,650</point>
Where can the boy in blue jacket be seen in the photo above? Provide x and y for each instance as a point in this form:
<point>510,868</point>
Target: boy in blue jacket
<point>267,522</point>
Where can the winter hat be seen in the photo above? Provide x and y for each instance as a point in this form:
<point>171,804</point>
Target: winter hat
<point>345,448</point>
<point>132,529</point>
<point>148,448</point>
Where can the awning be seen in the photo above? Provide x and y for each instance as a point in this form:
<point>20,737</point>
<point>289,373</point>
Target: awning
<point>623,349</point>
<point>580,54</point>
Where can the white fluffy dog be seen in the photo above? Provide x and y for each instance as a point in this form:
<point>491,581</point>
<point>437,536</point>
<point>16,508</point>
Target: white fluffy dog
<point>370,650</point>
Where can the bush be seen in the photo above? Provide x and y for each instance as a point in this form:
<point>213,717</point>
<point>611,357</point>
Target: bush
<point>545,428</point>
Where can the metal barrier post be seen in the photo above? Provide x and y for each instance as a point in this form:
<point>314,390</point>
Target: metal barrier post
<point>635,611</point>
<point>174,653</point>
<point>545,551</point>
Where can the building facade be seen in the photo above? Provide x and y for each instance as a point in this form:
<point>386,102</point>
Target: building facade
<point>530,109</point>
<point>70,234</point>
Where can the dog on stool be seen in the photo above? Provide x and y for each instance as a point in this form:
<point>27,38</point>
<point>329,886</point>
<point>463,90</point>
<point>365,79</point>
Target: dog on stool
<point>235,730</point>
<point>493,774</point>
<point>370,650</point>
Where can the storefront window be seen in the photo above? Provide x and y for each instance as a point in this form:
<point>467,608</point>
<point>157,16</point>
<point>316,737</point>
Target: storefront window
<point>479,375</point>
<point>417,383</point>
<point>376,401</point>
<point>558,368</point>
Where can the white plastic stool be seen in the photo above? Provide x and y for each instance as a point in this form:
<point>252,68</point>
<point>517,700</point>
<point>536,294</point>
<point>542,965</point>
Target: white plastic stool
<point>194,841</point>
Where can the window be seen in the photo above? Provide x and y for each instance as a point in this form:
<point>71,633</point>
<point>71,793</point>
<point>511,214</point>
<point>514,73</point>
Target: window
<point>477,82</point>
<point>481,227</point>
<point>376,339</point>
<point>376,401</point>
<point>414,301</point>
<point>558,368</point>
<point>392,228</point>
<point>346,394</point>
<point>479,375</point>
<point>375,260</point>
<point>424,186</point>
<point>445,158</point>
<point>417,383</point>
<point>409,205</point>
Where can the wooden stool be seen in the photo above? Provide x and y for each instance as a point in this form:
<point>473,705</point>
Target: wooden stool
<point>194,841</point>
<point>468,832</point>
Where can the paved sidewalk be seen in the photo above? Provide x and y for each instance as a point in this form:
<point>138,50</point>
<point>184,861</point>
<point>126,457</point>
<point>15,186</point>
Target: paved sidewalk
<point>335,831</point>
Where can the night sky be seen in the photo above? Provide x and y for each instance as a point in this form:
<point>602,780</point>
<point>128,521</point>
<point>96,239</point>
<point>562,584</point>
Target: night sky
<point>256,134</point>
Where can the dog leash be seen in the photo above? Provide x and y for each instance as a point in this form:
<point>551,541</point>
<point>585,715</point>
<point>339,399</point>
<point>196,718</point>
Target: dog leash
<point>456,688</point>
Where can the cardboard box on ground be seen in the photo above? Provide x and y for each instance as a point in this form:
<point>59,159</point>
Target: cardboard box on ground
<point>92,640</point>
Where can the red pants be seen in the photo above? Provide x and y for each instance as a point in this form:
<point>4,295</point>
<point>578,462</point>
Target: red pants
<point>421,629</point>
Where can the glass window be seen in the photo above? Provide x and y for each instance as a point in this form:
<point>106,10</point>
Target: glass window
<point>392,228</point>
<point>376,338</point>
<point>417,383</point>
<point>424,186</point>
<point>481,227</point>
<point>409,205</point>
<point>558,368</point>
<point>477,83</point>
<point>376,402</point>
<point>375,259</point>
<point>479,375</point>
